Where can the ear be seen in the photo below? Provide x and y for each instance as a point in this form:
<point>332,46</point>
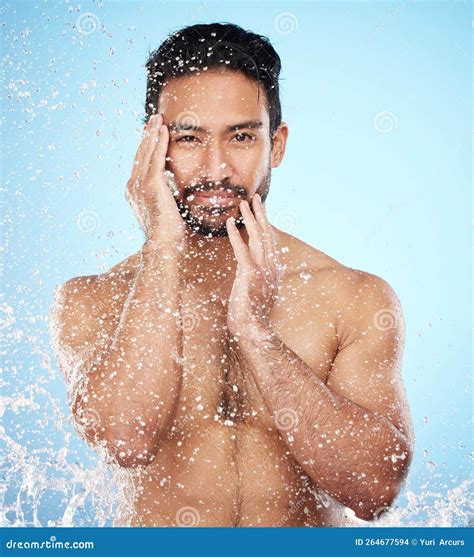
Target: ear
<point>279,144</point>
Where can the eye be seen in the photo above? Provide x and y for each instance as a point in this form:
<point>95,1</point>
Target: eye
<point>186,139</point>
<point>244,137</point>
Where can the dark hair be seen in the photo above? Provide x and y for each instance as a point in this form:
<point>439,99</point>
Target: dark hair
<point>215,45</point>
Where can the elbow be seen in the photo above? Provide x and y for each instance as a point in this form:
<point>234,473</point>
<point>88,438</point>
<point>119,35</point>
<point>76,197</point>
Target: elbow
<point>370,496</point>
<point>130,457</point>
<point>370,508</point>
<point>124,449</point>
<point>130,449</point>
<point>127,446</point>
<point>373,505</point>
<point>369,512</point>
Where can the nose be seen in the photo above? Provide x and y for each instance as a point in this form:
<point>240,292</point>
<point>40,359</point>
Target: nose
<point>215,166</point>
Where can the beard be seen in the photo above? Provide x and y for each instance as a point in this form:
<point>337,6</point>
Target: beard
<point>203,227</point>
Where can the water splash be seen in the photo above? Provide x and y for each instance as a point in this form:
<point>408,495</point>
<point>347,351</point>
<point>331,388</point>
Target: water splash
<point>431,508</point>
<point>49,486</point>
<point>52,478</point>
<point>49,476</point>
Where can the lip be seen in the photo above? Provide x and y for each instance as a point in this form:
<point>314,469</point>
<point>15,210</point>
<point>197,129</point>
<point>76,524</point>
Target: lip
<point>214,194</point>
<point>215,198</point>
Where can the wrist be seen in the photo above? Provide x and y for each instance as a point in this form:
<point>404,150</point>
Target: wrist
<point>254,333</point>
<point>163,258</point>
<point>157,245</point>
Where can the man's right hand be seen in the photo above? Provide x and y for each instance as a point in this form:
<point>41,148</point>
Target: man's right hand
<point>148,192</point>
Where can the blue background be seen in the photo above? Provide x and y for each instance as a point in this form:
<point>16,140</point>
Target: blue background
<point>391,201</point>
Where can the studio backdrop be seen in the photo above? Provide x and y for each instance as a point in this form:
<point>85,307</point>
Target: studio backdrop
<point>376,174</point>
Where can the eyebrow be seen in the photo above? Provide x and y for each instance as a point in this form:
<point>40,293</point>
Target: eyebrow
<point>184,126</point>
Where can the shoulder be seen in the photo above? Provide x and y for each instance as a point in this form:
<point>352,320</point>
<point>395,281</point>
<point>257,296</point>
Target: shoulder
<point>365,305</point>
<point>358,300</point>
<point>357,288</point>
<point>75,303</point>
<point>356,291</point>
<point>82,304</point>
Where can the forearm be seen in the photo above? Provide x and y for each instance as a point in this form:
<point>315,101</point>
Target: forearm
<point>135,385</point>
<point>355,455</point>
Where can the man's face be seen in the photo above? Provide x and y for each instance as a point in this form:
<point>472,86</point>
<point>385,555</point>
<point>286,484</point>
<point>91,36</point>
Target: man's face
<point>219,149</point>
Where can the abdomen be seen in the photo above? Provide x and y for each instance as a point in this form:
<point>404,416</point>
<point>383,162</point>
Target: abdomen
<point>236,475</point>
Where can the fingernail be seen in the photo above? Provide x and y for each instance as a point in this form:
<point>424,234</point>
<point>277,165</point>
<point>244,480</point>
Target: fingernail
<point>259,199</point>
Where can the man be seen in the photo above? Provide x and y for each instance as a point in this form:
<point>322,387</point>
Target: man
<point>243,377</point>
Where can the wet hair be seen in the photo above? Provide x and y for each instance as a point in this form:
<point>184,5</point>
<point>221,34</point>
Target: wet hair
<point>216,45</point>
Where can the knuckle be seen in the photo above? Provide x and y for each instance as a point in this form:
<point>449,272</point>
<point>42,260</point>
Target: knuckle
<point>132,186</point>
<point>257,271</point>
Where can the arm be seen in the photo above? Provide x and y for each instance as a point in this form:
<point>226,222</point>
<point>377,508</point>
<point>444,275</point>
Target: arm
<point>124,389</point>
<point>352,436</point>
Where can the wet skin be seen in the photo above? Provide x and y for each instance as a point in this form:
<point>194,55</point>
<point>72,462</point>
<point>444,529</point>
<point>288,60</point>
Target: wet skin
<point>230,454</point>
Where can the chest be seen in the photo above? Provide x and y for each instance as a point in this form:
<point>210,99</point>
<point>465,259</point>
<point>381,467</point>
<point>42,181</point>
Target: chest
<point>218,384</point>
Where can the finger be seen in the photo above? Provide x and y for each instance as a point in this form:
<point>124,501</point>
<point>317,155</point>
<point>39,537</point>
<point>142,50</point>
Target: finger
<point>153,139</point>
<point>158,154</point>
<point>259,217</point>
<point>143,154</point>
<point>238,245</point>
<point>256,247</point>
<point>157,180</point>
<point>269,241</point>
<point>157,177</point>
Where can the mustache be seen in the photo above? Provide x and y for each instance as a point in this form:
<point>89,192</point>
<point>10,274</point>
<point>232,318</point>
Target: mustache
<point>209,186</point>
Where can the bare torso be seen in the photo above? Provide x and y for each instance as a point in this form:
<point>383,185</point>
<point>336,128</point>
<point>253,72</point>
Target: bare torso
<point>224,462</point>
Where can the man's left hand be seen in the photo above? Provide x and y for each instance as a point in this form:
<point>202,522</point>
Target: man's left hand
<point>258,274</point>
